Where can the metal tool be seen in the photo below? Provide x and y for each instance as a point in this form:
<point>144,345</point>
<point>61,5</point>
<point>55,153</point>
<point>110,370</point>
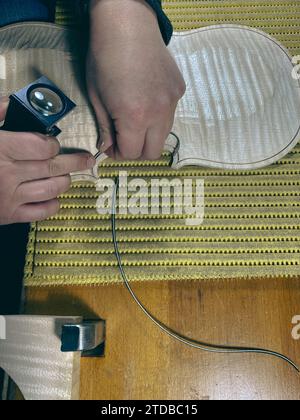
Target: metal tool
<point>87,337</point>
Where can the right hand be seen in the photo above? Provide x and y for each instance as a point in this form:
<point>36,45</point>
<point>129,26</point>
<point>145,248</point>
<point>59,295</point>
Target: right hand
<point>134,83</point>
<point>33,174</point>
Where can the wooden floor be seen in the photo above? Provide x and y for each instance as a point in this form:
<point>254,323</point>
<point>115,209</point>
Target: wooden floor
<point>143,363</point>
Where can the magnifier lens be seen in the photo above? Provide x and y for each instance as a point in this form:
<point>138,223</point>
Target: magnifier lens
<point>46,101</point>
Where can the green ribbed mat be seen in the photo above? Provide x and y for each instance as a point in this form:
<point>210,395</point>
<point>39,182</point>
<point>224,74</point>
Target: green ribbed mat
<point>251,227</point>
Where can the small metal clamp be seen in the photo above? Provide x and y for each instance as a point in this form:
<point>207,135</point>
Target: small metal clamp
<point>87,337</point>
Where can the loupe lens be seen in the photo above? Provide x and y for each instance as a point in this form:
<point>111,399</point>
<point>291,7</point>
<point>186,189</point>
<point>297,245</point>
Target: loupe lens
<point>46,101</point>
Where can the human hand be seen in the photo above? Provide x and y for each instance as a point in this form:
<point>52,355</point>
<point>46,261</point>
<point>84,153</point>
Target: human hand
<point>133,82</point>
<point>33,174</point>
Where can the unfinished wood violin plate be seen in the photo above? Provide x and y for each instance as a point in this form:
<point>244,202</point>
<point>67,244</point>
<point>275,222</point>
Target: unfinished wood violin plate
<point>240,110</point>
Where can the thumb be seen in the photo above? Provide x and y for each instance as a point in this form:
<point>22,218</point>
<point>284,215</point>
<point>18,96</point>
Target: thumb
<point>4,102</point>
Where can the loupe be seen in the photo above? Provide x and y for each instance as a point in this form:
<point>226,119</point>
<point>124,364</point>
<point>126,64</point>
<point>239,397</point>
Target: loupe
<point>37,108</point>
<point>46,101</point>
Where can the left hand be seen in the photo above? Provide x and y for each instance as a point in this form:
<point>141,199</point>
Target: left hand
<point>134,83</point>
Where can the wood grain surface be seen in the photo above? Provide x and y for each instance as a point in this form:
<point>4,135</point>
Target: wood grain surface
<point>143,363</point>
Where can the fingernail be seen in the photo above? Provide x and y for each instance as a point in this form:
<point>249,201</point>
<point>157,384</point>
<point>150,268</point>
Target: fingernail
<point>104,147</point>
<point>91,162</point>
<point>99,143</point>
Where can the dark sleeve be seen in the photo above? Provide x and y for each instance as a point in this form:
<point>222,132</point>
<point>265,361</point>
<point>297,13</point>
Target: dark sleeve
<point>165,25</point>
<point>12,11</point>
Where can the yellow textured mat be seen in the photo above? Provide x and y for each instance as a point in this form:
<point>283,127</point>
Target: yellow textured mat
<point>251,227</point>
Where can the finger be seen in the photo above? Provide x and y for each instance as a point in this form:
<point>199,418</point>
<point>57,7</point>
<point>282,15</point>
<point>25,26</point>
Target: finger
<point>110,152</point>
<point>4,102</point>
<point>154,144</point>
<point>28,146</point>
<point>58,166</point>
<point>130,143</point>
<point>155,140</point>
<point>43,190</point>
<point>105,126</point>
<point>36,212</point>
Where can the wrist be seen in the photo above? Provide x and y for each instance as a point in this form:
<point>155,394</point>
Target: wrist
<point>118,4</point>
<point>108,18</point>
<point>93,3</point>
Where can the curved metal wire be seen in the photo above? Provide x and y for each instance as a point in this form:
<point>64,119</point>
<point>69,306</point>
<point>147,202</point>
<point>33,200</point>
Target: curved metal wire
<point>212,348</point>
